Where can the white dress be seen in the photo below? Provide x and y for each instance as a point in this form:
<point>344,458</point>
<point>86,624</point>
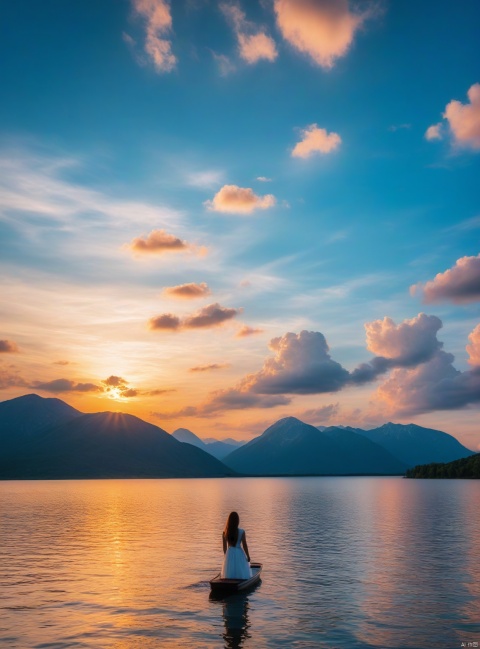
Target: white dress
<point>235,564</point>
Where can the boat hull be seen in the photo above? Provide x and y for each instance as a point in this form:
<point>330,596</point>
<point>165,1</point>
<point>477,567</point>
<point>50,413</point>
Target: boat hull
<point>228,586</point>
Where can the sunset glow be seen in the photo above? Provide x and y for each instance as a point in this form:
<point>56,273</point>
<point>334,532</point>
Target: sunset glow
<point>217,214</point>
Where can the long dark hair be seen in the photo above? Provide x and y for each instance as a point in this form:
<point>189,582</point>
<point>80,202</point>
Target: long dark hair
<point>231,528</point>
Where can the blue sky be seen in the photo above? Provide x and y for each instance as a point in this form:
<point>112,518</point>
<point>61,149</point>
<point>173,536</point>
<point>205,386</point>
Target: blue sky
<point>100,145</point>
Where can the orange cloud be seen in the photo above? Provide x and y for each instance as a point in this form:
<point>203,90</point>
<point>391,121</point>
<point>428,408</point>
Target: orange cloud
<point>459,284</point>
<point>434,132</point>
<point>212,315</point>
<point>464,119</point>
<point>117,388</point>
<point>208,368</point>
<point>247,331</point>
<point>8,346</point>
<point>159,24</point>
<point>187,291</point>
<point>411,342</point>
<point>473,349</point>
<point>165,322</point>
<point>232,199</point>
<point>434,385</point>
<point>322,29</point>
<point>316,140</point>
<point>253,45</point>
<point>158,242</point>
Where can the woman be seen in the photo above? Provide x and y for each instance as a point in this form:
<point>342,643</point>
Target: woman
<point>236,561</point>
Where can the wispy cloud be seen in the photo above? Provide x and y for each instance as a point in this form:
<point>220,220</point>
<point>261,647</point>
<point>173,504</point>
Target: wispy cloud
<point>254,44</point>
<point>209,367</point>
<point>158,20</point>
<point>58,386</point>
<point>35,191</point>
<point>434,132</point>
<point>225,65</point>
<point>247,331</point>
<point>205,179</point>
<point>187,291</point>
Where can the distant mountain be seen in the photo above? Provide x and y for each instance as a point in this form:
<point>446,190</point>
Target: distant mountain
<point>220,449</point>
<point>107,444</point>
<point>217,448</point>
<point>187,437</point>
<point>24,418</point>
<point>414,444</point>
<point>291,447</point>
<point>467,467</point>
<point>227,440</point>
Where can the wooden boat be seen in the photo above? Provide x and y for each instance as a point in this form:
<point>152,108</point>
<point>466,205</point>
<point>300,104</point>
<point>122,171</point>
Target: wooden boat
<point>221,586</point>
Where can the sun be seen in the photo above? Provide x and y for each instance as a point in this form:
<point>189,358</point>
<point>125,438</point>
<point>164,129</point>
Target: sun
<point>115,394</point>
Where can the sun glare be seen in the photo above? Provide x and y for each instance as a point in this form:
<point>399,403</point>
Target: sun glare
<point>115,394</point>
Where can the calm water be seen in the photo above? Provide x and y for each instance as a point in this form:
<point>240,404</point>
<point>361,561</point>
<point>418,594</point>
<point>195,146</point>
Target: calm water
<point>348,562</point>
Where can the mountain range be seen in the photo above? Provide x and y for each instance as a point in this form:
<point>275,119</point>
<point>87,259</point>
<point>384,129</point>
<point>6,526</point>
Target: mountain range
<point>291,447</point>
<point>217,448</point>
<point>46,438</point>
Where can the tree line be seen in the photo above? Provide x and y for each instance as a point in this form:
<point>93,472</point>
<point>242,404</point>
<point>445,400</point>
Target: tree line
<point>467,467</point>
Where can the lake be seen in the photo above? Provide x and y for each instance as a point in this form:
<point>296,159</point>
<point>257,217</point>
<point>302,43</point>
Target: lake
<point>348,562</point>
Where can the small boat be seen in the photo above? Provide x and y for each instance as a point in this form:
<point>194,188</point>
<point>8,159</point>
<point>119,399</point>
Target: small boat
<point>221,586</point>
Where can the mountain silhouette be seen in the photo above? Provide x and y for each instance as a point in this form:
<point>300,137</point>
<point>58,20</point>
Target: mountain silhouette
<point>291,447</point>
<point>104,444</point>
<point>24,418</point>
<point>217,448</point>
<point>415,445</point>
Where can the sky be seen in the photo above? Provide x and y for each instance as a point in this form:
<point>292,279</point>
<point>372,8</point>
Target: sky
<point>217,214</point>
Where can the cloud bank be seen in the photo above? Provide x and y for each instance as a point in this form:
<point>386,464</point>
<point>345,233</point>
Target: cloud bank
<point>460,284</point>
<point>473,348</point>
<point>435,385</point>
